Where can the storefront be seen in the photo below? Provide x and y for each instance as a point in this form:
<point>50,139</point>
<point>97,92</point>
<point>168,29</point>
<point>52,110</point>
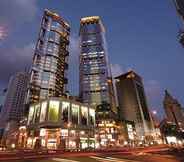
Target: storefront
<point>60,123</point>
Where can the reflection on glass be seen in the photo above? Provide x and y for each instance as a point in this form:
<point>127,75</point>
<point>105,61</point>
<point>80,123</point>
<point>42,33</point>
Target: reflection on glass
<point>43,111</point>
<point>75,114</point>
<point>84,115</point>
<point>65,111</point>
<point>31,114</point>
<point>92,116</point>
<point>53,111</point>
<point>37,113</point>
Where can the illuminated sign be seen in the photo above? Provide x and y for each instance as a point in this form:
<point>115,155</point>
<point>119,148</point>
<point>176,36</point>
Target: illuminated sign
<point>84,115</point>
<point>75,114</point>
<point>92,116</point>
<point>64,132</point>
<point>43,111</point>
<point>31,114</point>
<point>130,131</point>
<point>53,111</point>
<point>65,111</point>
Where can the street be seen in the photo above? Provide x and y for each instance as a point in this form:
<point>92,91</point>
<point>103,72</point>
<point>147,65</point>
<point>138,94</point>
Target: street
<point>143,155</point>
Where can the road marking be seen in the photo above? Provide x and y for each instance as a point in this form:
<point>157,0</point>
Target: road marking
<point>124,160</point>
<point>63,160</point>
<point>100,158</point>
<point>109,159</point>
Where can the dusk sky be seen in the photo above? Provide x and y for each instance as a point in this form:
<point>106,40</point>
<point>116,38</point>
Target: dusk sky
<point>141,35</point>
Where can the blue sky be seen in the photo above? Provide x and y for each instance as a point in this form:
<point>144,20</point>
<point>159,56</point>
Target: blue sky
<point>141,35</point>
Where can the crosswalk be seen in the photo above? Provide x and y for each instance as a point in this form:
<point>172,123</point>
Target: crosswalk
<point>96,158</point>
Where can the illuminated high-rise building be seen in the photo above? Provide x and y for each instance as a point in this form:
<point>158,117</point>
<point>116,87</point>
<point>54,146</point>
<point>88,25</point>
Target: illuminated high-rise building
<point>49,68</point>
<point>95,75</point>
<point>173,110</point>
<point>133,104</point>
<point>14,103</point>
<point>180,10</point>
<point>180,7</point>
<point>2,98</point>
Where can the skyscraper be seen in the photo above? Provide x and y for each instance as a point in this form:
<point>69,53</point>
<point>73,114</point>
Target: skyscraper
<point>180,7</point>
<point>173,110</point>
<point>2,98</point>
<point>14,104</point>
<point>48,72</point>
<point>95,75</point>
<point>180,10</point>
<point>132,102</point>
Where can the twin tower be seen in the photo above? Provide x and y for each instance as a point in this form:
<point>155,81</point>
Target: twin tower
<point>50,61</point>
<point>50,65</point>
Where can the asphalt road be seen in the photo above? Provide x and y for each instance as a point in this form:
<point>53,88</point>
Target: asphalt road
<point>149,154</point>
<point>171,156</point>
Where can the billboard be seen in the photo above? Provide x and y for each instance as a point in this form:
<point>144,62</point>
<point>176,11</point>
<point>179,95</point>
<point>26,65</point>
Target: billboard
<point>84,115</point>
<point>37,113</point>
<point>43,111</point>
<point>53,114</point>
<point>65,111</point>
<point>92,116</point>
<point>31,114</point>
<point>130,131</point>
<point>75,114</point>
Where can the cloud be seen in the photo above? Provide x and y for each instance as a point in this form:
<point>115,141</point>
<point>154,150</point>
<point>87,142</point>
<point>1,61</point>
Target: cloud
<point>17,11</point>
<point>15,59</point>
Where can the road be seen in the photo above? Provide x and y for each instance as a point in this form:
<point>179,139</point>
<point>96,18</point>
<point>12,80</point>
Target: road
<point>142,155</point>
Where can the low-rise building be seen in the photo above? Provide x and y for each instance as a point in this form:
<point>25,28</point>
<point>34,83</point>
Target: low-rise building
<point>111,131</point>
<point>61,123</point>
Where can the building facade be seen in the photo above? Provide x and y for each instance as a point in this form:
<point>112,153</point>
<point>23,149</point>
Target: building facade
<point>61,123</point>
<point>112,132</point>
<point>14,104</point>
<point>95,75</point>
<point>171,134</point>
<point>180,10</point>
<point>2,98</point>
<point>180,7</point>
<point>173,110</point>
<point>132,103</point>
<point>50,61</point>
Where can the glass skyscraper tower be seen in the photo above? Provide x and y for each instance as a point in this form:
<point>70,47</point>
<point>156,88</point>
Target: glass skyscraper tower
<point>95,76</point>
<point>48,72</point>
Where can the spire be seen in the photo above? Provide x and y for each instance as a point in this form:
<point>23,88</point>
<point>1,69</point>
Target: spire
<point>169,98</point>
<point>167,94</point>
